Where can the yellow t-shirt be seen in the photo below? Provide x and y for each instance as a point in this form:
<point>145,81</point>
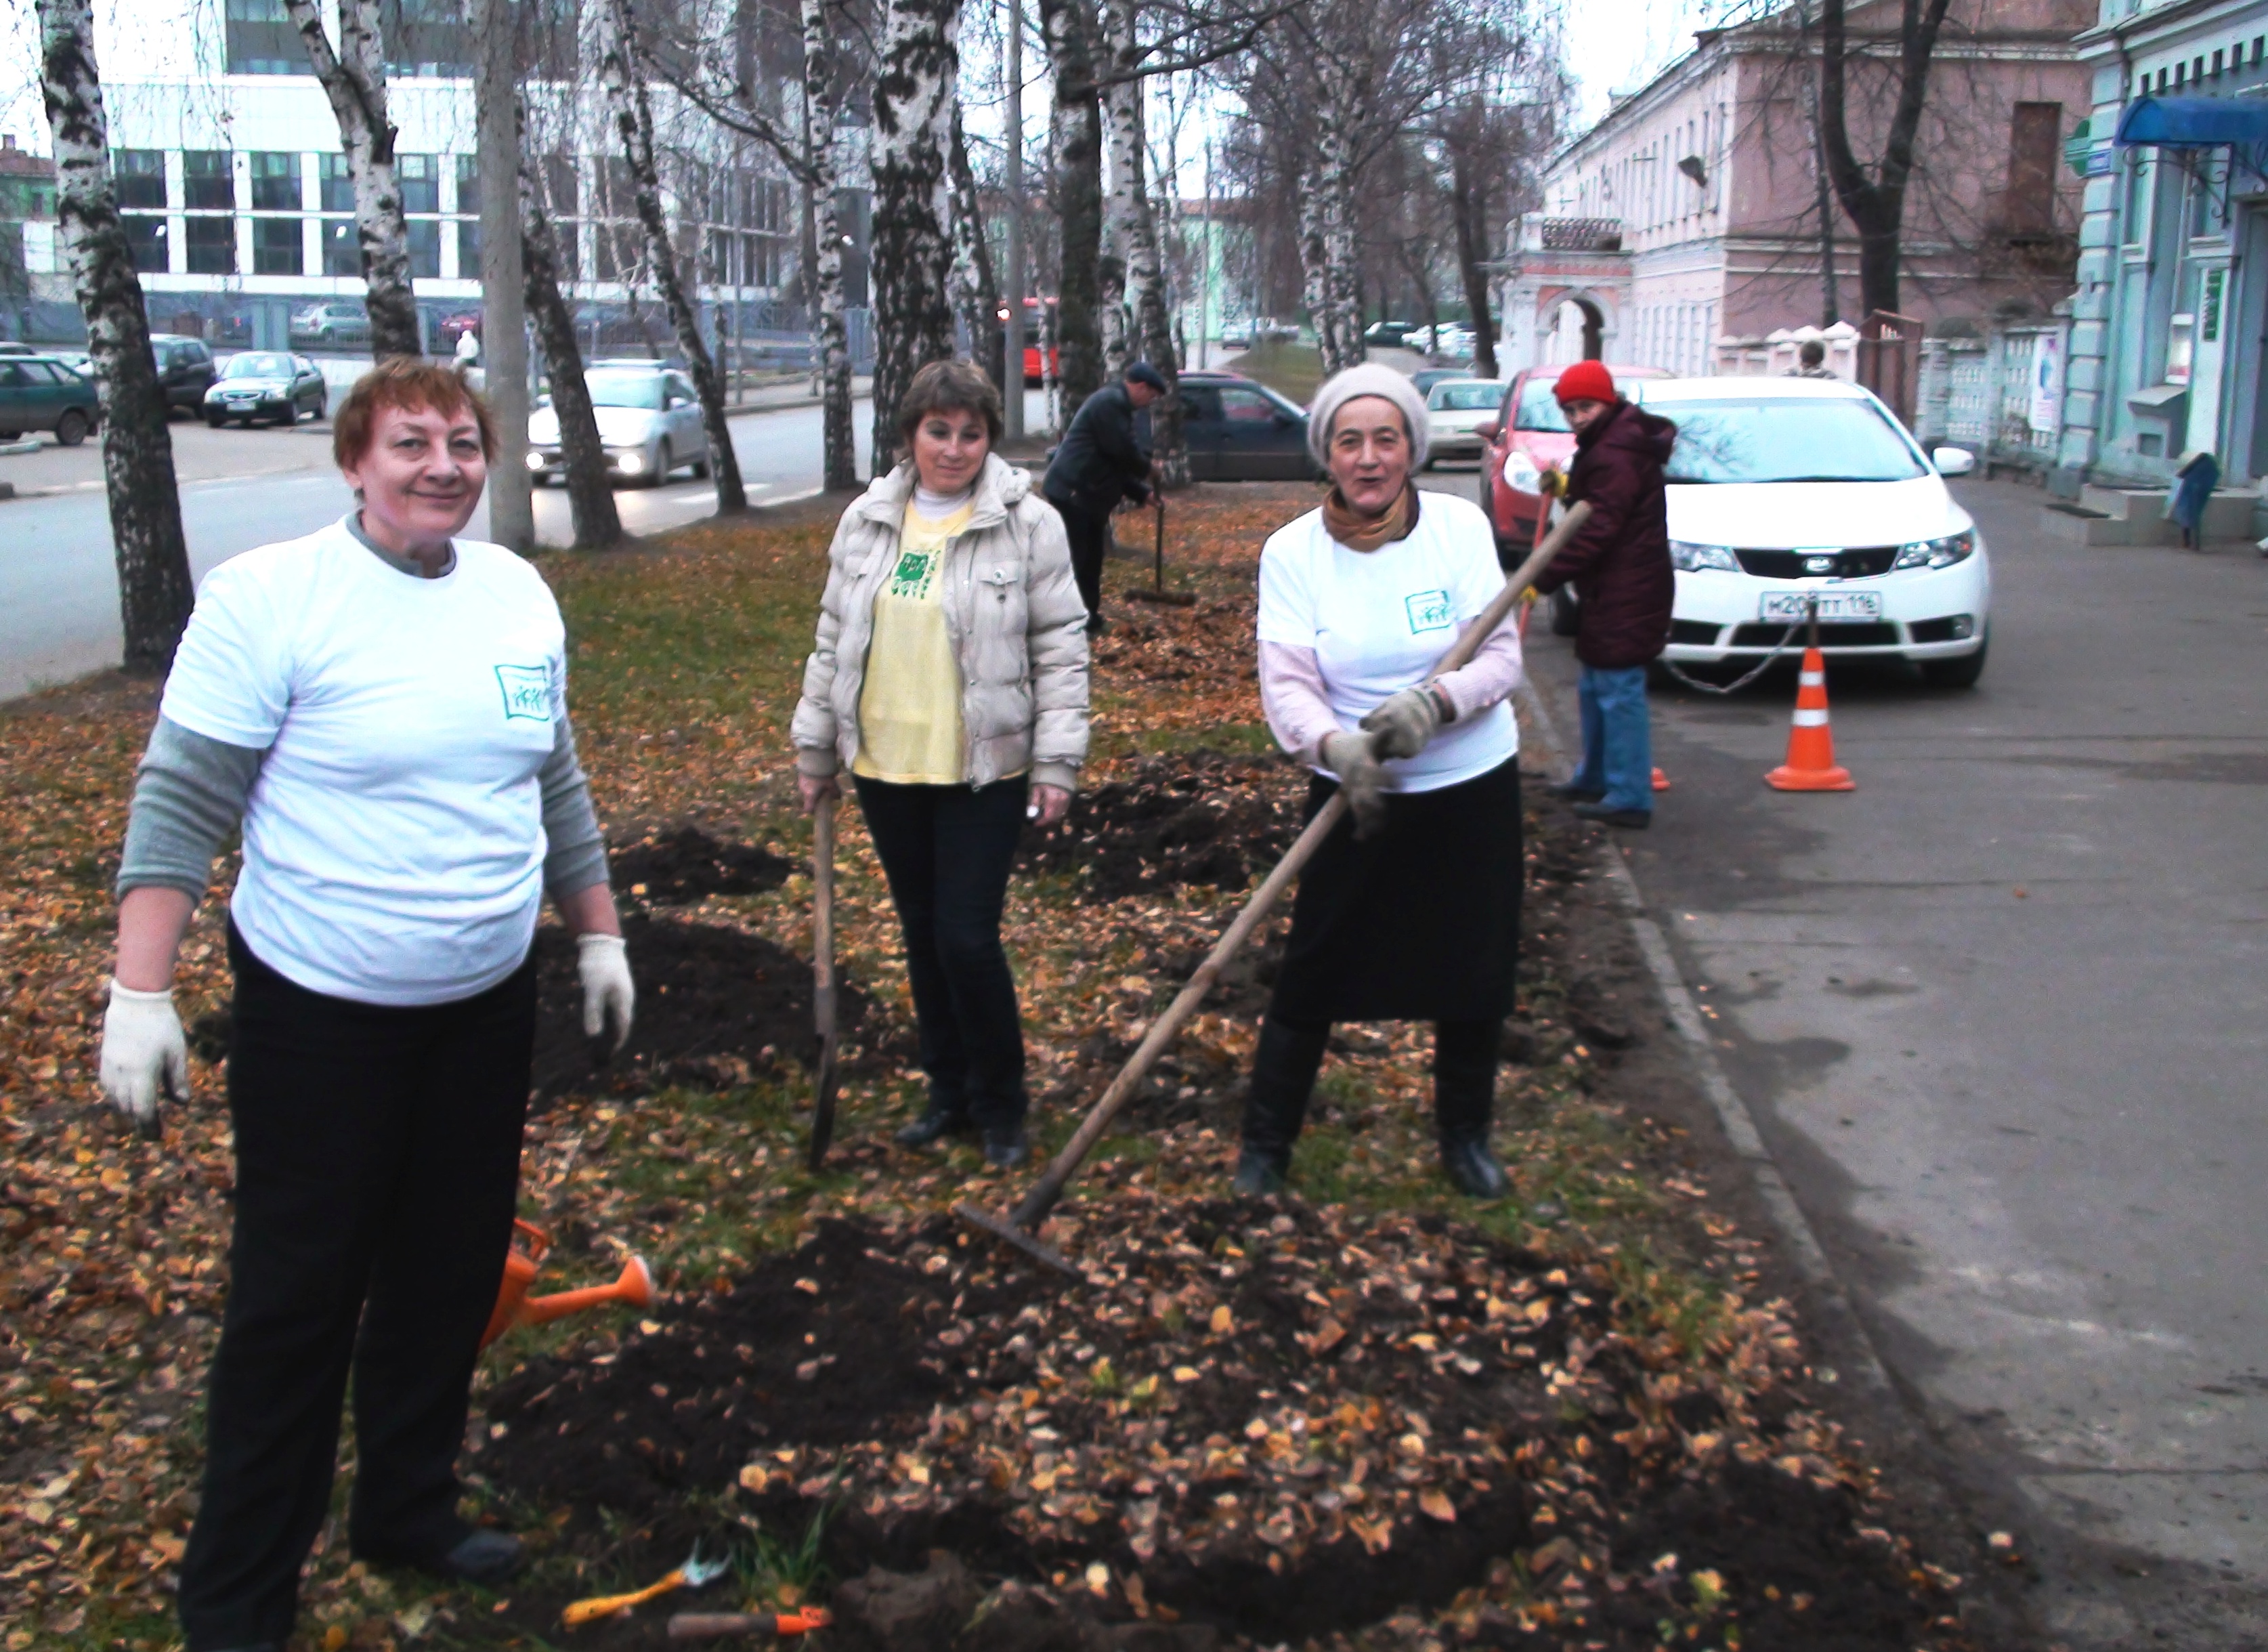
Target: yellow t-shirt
<point>910,706</point>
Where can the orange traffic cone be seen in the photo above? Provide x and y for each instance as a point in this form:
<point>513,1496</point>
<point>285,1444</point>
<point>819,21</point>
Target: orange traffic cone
<point>1810,765</point>
<point>1660,781</point>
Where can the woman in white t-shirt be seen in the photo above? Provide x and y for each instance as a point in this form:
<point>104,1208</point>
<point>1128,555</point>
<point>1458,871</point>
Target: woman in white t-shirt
<point>383,707</point>
<point>1411,910</point>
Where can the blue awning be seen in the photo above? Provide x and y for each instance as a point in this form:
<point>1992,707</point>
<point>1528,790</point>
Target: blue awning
<point>2193,122</point>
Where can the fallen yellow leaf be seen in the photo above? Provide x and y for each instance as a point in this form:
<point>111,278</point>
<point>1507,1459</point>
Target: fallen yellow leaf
<point>1435,1501</point>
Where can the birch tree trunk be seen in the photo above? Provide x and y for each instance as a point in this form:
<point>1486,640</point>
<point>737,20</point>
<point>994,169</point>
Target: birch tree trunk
<point>1151,335</point>
<point>1341,271</point>
<point>1121,138</point>
<point>590,499</point>
<point>155,592</point>
<point>913,246</point>
<point>839,453</point>
<point>619,65</point>
<point>354,78</point>
<point>1075,129</point>
<point>1314,268</point>
<point>972,266</point>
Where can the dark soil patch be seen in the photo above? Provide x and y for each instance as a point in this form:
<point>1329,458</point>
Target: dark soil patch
<point>716,1007</point>
<point>1198,819</point>
<point>680,866</point>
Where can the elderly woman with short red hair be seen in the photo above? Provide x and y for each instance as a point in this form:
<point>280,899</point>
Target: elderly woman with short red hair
<point>383,707</point>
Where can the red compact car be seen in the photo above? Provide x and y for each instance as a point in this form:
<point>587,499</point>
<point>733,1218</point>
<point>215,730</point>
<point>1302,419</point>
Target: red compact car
<point>1529,436</point>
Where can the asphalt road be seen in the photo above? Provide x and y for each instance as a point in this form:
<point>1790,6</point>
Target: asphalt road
<point>59,587</point>
<point>1999,1015</point>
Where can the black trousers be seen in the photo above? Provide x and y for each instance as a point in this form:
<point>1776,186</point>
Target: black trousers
<point>377,1169</point>
<point>1465,1054</point>
<point>947,851</point>
<point>1089,532</point>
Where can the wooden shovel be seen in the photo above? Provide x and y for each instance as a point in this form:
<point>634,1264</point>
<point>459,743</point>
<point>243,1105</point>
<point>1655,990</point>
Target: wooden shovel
<point>1020,1226</point>
<point>822,977</point>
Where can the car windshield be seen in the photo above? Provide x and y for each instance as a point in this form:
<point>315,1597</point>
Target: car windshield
<point>258,364</point>
<point>1464,397</point>
<point>626,389</point>
<point>1806,439</point>
<point>1539,408</point>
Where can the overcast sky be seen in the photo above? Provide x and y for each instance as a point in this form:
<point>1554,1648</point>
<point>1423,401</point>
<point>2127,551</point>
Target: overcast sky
<point>1619,45</point>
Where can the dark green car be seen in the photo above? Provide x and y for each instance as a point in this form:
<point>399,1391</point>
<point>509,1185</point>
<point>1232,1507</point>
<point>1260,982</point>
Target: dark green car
<point>38,393</point>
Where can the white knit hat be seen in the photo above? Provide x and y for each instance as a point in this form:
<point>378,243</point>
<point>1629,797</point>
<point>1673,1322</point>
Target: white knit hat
<point>1368,379</point>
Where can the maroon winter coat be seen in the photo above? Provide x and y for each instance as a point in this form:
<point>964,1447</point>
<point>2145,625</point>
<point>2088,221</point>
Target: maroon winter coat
<point>1619,563</point>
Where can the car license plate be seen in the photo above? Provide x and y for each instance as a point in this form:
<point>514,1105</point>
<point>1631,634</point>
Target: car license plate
<point>1789,608</point>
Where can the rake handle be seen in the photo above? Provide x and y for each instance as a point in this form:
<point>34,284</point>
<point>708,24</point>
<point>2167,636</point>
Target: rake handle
<point>1048,1189</point>
<point>823,991</point>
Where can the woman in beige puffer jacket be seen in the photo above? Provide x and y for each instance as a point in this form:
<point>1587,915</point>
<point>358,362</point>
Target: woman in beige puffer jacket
<point>949,675</point>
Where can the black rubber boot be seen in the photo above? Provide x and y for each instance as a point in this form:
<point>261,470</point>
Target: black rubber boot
<point>1465,1055</point>
<point>1007,1148</point>
<point>935,1125</point>
<point>1283,1076</point>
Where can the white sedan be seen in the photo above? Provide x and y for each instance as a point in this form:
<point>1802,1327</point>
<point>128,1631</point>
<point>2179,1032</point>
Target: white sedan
<point>1787,495</point>
<point>649,423</point>
<point>1455,408</point>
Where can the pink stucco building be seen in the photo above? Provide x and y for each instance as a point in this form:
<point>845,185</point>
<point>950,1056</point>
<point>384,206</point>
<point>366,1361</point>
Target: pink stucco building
<point>1688,217</point>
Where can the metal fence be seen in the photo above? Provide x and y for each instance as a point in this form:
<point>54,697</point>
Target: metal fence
<point>1998,395</point>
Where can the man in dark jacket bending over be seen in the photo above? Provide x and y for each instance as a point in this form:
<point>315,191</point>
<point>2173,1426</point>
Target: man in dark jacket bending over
<point>1619,565</point>
<point>1099,463</point>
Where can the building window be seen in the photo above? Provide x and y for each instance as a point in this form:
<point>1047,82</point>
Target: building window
<point>146,237</point>
<point>211,246</point>
<point>275,182</point>
<point>468,184</point>
<point>139,177</point>
<point>420,177</point>
<point>336,182</point>
<point>342,247</point>
<point>208,181</point>
<point>424,249</point>
<point>261,39</point>
<point>561,194</point>
<point>2034,137</point>
<point>426,40</point>
<point>468,250</point>
<point>277,248</point>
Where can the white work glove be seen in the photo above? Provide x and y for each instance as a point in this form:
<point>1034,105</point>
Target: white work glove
<point>142,1053</point>
<point>604,966</point>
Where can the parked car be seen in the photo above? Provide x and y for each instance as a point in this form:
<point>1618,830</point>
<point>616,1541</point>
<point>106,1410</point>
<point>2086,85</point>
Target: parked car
<point>1236,336</point>
<point>325,325</point>
<point>185,369</point>
<point>649,422</point>
<point>13,347</point>
<point>1529,436</point>
<point>38,393</point>
<point>1784,492</point>
<point>269,385</point>
<point>1455,408</point>
<point>1241,430</point>
<point>1268,329</point>
<point>77,360</point>
<point>1426,378</point>
<point>1387,335</point>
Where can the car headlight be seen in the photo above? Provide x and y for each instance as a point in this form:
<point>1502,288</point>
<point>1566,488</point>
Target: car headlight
<point>1521,473</point>
<point>1688,557</point>
<point>1937,553</point>
<point>632,462</point>
<point>534,460</point>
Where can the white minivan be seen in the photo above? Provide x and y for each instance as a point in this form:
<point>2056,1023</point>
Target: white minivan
<point>1789,492</point>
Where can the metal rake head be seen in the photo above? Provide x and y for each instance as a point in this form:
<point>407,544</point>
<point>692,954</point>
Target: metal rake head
<point>699,1573</point>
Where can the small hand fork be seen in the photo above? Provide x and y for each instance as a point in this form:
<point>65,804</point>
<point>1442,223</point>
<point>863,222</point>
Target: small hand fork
<point>695,1574</point>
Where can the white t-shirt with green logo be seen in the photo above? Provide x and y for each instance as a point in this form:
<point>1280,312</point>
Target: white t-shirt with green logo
<point>1378,619</point>
<point>393,841</point>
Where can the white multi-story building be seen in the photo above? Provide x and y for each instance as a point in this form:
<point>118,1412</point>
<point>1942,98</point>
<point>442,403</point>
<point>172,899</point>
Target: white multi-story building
<point>233,187</point>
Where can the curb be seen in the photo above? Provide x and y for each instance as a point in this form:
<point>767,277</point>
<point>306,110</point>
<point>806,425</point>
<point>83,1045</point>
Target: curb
<point>1831,1302</point>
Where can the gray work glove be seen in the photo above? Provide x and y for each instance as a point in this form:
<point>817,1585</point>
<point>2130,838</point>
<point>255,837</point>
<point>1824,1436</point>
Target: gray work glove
<point>1350,757</point>
<point>144,1055</point>
<point>1405,722</point>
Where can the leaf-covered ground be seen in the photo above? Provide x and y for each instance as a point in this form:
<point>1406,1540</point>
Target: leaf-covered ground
<point>1563,1419</point>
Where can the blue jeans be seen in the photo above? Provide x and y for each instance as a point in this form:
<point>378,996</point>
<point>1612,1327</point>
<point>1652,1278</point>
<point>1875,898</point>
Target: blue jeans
<point>1617,740</point>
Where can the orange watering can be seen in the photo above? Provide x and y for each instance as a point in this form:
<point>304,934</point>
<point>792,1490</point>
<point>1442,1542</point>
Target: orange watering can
<point>515,1306</point>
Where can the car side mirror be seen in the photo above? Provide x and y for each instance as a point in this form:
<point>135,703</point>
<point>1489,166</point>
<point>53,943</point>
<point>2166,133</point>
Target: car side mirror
<point>1488,429</point>
<point>1953,462</point>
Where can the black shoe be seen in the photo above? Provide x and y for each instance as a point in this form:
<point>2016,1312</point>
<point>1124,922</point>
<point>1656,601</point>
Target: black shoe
<point>1568,791</point>
<point>934,1125</point>
<point>1470,1169</point>
<point>485,1557</point>
<point>1258,1174</point>
<point>1005,1149</point>
<point>1096,625</point>
<point>1634,819</point>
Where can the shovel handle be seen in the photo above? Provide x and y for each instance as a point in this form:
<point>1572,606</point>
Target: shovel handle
<point>822,978</point>
<point>772,1625</point>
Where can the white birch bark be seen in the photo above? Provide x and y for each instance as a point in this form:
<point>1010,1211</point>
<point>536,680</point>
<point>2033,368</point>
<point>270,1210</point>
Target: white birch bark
<point>155,593</point>
<point>914,93</point>
<point>1150,323</point>
<point>353,77</point>
<point>838,451</point>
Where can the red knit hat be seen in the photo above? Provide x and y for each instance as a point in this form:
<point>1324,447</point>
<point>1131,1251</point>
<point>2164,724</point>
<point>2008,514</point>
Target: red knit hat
<point>1585,381</point>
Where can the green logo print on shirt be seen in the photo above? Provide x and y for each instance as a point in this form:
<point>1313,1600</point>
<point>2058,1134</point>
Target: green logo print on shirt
<point>526,692</point>
<point>1428,611</point>
<point>911,577</point>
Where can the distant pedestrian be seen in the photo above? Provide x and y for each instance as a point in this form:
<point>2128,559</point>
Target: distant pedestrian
<point>1411,908</point>
<point>2195,475</point>
<point>383,707</point>
<point>468,353</point>
<point>1811,357</point>
<point>1099,463</point>
<point>1618,563</point>
<point>949,675</point>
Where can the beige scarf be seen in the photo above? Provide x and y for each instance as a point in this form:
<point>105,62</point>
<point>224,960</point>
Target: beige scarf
<point>1368,533</point>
